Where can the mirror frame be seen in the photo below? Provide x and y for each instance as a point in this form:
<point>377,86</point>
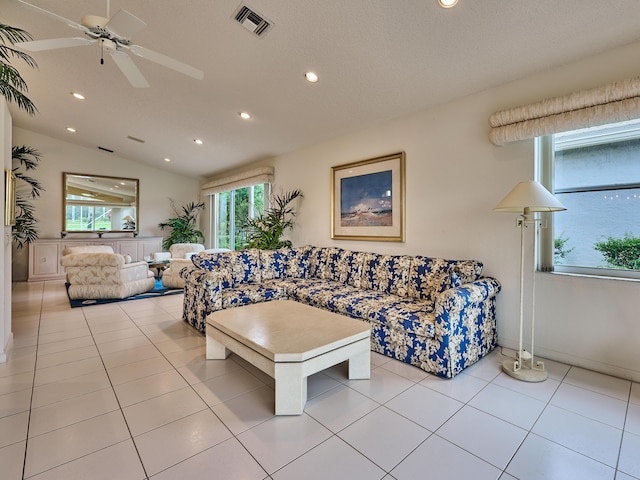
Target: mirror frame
<point>116,180</point>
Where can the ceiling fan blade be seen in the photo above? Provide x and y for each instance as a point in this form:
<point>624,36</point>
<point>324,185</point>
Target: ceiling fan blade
<point>54,16</point>
<point>129,69</point>
<point>167,62</point>
<point>125,24</point>
<point>52,44</point>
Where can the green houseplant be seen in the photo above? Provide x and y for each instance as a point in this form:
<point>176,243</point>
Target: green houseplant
<point>183,227</point>
<point>25,229</point>
<point>265,230</point>
<point>13,88</point>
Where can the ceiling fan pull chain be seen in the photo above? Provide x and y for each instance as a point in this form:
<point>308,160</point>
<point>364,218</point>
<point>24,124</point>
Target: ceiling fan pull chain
<point>101,52</point>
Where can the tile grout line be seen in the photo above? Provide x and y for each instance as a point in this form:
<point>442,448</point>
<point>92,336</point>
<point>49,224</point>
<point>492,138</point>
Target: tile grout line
<point>35,366</point>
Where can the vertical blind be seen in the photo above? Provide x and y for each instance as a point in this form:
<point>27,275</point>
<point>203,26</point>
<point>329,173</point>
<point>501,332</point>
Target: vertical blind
<point>614,102</point>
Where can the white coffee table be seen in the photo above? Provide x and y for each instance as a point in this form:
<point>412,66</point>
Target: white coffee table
<point>290,341</point>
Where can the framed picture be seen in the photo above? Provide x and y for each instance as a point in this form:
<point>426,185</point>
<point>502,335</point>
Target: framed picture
<point>9,198</point>
<point>367,200</point>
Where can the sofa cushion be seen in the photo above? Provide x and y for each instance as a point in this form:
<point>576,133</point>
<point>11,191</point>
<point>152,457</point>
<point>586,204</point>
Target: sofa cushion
<point>408,315</point>
<point>317,261</point>
<point>273,263</point>
<point>358,303</point>
<point>243,265</point>
<point>386,273</point>
<point>344,266</point>
<point>249,293</point>
<point>465,271</point>
<point>428,277</point>
<point>298,265</point>
<point>315,291</point>
<point>184,250</point>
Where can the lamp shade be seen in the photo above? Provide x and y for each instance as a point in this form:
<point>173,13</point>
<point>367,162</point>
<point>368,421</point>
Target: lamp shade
<point>529,195</point>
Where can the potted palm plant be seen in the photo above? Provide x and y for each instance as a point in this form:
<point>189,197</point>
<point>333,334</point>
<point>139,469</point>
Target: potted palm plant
<point>183,227</point>
<point>13,88</point>
<point>25,229</point>
<point>265,230</point>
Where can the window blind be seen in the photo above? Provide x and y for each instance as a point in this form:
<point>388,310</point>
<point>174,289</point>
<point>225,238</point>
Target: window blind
<point>240,180</point>
<point>611,103</point>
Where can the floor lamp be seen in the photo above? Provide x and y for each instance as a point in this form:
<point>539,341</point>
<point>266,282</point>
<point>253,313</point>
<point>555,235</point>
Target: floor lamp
<point>525,199</point>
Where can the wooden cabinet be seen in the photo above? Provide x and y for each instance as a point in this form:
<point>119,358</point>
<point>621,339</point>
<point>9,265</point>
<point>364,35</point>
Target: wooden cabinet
<point>45,253</point>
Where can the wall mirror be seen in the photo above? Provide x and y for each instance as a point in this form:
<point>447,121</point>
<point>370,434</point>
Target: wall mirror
<point>96,203</point>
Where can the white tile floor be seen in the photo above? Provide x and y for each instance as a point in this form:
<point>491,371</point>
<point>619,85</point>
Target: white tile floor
<point>123,391</point>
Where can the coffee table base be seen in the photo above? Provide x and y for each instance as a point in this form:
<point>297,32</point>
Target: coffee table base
<point>291,377</point>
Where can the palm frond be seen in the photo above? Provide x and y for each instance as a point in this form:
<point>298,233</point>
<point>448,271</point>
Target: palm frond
<point>28,158</point>
<point>265,230</point>
<point>12,85</point>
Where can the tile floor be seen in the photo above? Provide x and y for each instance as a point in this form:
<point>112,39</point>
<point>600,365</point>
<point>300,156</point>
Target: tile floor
<point>122,391</point>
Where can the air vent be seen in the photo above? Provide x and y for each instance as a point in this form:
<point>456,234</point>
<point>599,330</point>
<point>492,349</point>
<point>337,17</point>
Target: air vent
<point>252,21</point>
<point>139,140</point>
<point>105,149</point>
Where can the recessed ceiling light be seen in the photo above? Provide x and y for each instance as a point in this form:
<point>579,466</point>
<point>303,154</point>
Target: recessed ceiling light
<point>245,115</point>
<point>198,141</point>
<point>79,96</point>
<point>311,77</point>
<point>71,129</point>
<point>166,159</point>
<point>447,3</point>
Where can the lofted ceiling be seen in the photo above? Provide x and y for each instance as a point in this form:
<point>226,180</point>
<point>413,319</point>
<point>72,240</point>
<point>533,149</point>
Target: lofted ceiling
<point>376,59</point>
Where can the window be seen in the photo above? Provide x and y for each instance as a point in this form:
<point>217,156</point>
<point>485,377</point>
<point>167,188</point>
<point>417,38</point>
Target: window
<point>596,175</point>
<point>230,209</point>
<point>88,217</point>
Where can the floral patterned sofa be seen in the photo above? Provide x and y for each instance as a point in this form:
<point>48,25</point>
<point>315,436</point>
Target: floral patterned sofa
<point>436,314</point>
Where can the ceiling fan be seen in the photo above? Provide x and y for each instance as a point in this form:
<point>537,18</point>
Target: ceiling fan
<point>114,36</point>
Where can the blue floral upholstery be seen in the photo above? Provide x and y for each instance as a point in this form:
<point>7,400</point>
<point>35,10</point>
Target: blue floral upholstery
<point>436,314</point>
<point>386,273</point>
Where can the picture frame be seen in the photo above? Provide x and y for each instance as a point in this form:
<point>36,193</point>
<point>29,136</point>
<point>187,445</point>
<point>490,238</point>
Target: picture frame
<point>368,199</point>
<point>9,198</point>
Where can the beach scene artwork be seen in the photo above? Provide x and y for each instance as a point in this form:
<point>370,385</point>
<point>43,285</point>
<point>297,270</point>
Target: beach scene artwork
<point>366,200</point>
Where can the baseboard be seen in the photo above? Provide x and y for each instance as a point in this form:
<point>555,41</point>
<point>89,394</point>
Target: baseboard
<point>586,363</point>
<point>4,354</point>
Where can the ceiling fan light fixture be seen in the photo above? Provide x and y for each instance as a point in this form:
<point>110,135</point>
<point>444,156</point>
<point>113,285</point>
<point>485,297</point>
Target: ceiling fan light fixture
<point>447,3</point>
<point>77,95</point>
<point>311,77</point>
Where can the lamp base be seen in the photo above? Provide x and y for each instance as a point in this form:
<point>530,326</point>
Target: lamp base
<point>525,373</point>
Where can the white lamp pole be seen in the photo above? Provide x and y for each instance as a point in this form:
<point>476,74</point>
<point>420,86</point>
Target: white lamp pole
<point>525,199</point>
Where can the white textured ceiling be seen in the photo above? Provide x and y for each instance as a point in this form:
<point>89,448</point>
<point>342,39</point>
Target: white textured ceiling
<point>377,59</point>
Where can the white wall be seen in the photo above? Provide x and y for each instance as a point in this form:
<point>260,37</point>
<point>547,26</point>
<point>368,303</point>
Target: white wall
<point>156,186</point>
<point>454,178</point>
<point>5,258</point>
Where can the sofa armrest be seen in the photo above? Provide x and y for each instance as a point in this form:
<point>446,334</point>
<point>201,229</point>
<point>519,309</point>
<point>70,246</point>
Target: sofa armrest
<point>465,323</point>
<point>202,294</point>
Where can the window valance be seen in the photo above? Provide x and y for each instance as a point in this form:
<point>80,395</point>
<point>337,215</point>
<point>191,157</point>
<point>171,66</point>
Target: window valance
<point>240,180</point>
<point>614,102</point>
